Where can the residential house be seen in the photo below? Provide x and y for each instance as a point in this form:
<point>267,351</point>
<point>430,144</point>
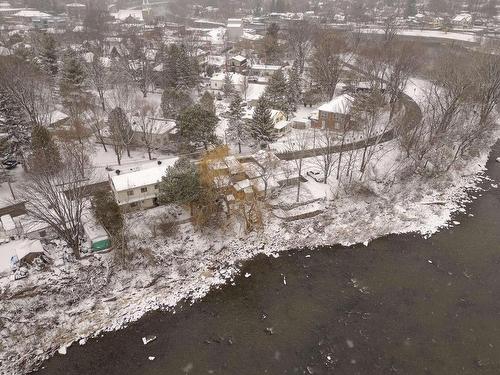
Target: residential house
<point>332,114</point>
<point>218,80</point>
<point>462,19</point>
<point>261,70</point>
<point>139,189</point>
<point>161,131</point>
<point>237,64</point>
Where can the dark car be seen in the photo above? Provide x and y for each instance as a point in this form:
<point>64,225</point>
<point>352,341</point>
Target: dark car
<point>10,163</point>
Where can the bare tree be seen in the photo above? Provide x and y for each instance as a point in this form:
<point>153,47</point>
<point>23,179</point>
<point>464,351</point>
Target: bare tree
<point>299,37</point>
<point>28,88</point>
<point>295,145</point>
<point>325,159</point>
<point>57,199</point>
<point>95,119</point>
<point>97,77</point>
<point>328,60</point>
<point>146,124</point>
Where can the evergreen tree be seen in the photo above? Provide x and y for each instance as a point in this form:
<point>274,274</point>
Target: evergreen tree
<point>411,8</point>
<point>276,92</point>
<point>44,152</point>
<point>228,89</point>
<point>294,90</point>
<point>181,184</point>
<point>236,128</point>
<point>72,81</point>
<point>261,127</point>
<point>48,55</point>
<point>107,212</point>
<point>174,101</point>
<point>207,102</point>
<point>14,123</point>
<point>197,125</point>
<point>179,69</point>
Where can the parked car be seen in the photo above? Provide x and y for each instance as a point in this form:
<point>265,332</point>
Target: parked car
<point>10,163</point>
<point>315,175</point>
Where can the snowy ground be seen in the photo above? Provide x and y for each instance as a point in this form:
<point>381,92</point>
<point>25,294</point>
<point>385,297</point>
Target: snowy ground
<point>67,302</point>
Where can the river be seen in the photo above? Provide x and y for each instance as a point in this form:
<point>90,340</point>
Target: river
<point>402,305</point>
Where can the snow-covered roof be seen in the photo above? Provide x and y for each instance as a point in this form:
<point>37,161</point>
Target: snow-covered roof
<point>255,91</point>
<point>55,116</point>
<point>7,223</point>
<point>239,58</point>
<point>158,125</point>
<point>236,78</point>
<point>123,14</point>
<point>265,67</point>
<point>75,5</point>
<point>5,51</point>
<point>17,249</point>
<point>142,178</point>
<point>340,104</point>
<point>281,124</point>
<point>463,17</point>
<point>31,14</point>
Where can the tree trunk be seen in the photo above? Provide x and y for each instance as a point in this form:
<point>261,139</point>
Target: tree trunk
<point>149,153</point>
<point>239,147</point>
<point>298,181</point>
<point>128,151</point>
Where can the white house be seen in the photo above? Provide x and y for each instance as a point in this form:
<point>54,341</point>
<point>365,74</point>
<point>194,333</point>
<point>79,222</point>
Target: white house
<point>462,19</point>
<point>218,79</point>
<point>160,130</point>
<point>263,70</point>
<point>140,189</point>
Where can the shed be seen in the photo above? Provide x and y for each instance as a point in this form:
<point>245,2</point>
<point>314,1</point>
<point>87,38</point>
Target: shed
<point>97,235</point>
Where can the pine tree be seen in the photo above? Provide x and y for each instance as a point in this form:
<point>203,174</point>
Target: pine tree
<point>276,92</point>
<point>228,88</point>
<point>236,128</point>
<point>411,8</point>
<point>197,125</point>
<point>72,80</point>
<point>13,122</point>
<point>48,55</point>
<point>261,127</point>
<point>174,101</point>
<point>45,153</point>
<point>294,91</point>
<point>207,102</point>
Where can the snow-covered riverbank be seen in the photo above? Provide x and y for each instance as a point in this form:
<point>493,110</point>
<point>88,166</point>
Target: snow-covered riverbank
<point>62,305</point>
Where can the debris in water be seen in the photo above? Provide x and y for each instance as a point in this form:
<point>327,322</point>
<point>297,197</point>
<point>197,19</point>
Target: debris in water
<point>308,256</point>
<point>151,358</point>
<point>82,341</point>
<point>188,367</point>
<point>498,160</point>
<point>147,339</point>
<point>350,344</point>
<point>429,261</point>
<point>456,222</point>
<point>269,330</point>
<point>62,350</point>
<point>284,279</point>
<point>247,275</point>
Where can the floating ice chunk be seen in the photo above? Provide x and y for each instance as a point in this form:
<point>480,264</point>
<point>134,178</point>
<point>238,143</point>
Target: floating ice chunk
<point>147,339</point>
<point>350,344</point>
<point>62,350</point>
<point>247,275</point>
<point>151,358</point>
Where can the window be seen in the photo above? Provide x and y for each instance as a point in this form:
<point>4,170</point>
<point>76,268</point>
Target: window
<point>133,204</point>
<point>144,190</point>
<point>130,192</point>
<point>42,233</point>
<point>156,187</point>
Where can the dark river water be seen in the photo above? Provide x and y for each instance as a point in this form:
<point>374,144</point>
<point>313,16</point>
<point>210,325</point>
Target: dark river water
<point>402,305</point>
